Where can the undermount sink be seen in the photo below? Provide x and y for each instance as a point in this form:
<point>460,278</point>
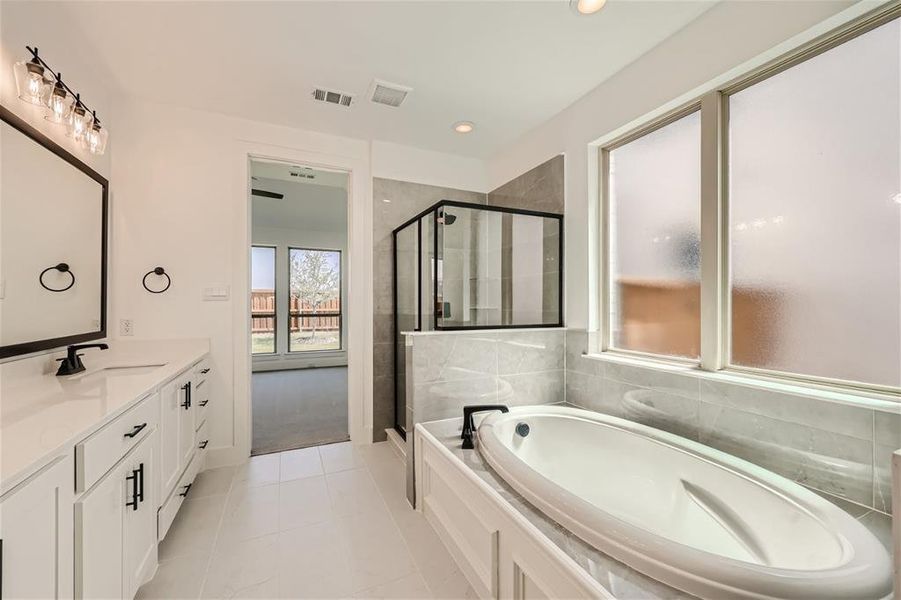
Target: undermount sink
<point>123,370</point>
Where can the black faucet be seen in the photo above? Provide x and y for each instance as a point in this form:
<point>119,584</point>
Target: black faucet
<point>72,363</point>
<point>468,411</point>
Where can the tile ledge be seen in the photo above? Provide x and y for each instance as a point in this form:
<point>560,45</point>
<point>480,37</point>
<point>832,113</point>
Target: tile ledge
<point>872,401</point>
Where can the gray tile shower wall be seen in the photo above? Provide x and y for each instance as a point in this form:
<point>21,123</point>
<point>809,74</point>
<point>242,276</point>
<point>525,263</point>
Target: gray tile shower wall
<point>453,369</point>
<point>844,451</point>
<point>394,202</point>
<point>539,189</point>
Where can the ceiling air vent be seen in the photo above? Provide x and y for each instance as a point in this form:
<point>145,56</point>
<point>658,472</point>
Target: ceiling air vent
<point>389,94</point>
<point>332,97</point>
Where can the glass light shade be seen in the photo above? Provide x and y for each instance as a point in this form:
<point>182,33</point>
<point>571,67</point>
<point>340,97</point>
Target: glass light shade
<point>60,104</point>
<point>31,83</point>
<point>79,123</point>
<point>96,138</point>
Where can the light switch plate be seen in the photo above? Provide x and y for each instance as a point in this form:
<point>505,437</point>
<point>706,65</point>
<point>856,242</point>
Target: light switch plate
<point>216,293</point>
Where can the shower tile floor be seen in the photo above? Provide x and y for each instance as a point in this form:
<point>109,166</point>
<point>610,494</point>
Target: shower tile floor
<point>299,408</point>
<point>324,522</point>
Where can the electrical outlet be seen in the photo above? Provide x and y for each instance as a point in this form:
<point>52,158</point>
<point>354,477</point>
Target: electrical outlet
<point>126,327</point>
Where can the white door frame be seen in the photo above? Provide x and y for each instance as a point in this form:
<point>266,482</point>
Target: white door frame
<point>359,289</point>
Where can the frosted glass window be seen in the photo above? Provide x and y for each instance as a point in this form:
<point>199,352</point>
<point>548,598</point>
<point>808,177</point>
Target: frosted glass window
<point>655,215</point>
<point>815,215</point>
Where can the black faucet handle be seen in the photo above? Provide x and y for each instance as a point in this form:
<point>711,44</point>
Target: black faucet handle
<point>468,425</point>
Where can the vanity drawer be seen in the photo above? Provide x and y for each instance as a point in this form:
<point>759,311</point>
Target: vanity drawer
<point>201,370</point>
<point>97,454</point>
<point>181,492</point>
<point>203,446</point>
<point>201,402</point>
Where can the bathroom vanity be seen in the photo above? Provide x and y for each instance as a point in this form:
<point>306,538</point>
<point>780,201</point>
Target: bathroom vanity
<point>94,466</point>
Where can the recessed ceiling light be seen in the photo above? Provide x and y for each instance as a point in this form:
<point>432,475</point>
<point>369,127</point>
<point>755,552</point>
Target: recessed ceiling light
<point>587,7</point>
<point>464,126</point>
<point>386,200</point>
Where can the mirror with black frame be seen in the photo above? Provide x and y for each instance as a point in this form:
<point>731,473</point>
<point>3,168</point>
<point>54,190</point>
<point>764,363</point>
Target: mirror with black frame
<point>53,241</point>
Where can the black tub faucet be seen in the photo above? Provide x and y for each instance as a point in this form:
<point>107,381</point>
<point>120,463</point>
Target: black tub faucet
<point>468,411</point>
<point>72,363</point>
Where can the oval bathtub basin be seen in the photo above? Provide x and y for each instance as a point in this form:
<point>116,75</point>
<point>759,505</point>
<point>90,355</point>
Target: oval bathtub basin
<point>683,513</point>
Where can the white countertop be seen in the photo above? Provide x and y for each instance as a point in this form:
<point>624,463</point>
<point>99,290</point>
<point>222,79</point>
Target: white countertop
<point>41,414</point>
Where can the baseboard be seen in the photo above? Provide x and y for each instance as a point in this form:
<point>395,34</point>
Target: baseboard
<point>224,457</point>
<point>397,443</point>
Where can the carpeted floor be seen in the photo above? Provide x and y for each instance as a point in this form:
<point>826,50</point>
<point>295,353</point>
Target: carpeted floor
<point>296,409</point>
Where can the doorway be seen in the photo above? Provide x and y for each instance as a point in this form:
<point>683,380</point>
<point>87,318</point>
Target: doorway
<point>297,306</point>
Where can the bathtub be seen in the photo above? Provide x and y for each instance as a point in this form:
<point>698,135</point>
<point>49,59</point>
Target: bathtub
<point>686,514</point>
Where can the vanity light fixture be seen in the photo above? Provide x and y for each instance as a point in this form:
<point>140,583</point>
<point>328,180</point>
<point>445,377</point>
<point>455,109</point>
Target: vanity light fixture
<point>79,121</point>
<point>587,7</point>
<point>60,102</point>
<point>95,139</point>
<point>37,83</point>
<point>464,126</point>
<point>32,83</point>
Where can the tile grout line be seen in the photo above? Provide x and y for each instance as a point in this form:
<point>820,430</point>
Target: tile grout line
<point>416,568</point>
<point>209,561</point>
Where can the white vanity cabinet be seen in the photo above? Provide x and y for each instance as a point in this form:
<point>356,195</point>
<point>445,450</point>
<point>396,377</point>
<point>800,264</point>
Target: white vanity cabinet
<point>184,438</point>
<point>84,520</point>
<point>115,520</point>
<point>36,530</point>
<point>177,428</point>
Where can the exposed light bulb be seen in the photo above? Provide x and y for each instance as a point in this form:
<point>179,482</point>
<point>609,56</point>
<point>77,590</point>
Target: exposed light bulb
<point>587,7</point>
<point>464,126</point>
<point>79,122</point>
<point>96,137</point>
<point>31,84</point>
<point>60,103</point>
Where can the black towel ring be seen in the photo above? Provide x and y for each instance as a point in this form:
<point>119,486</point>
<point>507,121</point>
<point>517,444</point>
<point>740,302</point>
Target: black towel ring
<point>62,268</point>
<point>157,271</point>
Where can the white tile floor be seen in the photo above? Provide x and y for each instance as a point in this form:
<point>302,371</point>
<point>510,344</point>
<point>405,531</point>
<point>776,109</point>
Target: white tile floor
<point>327,522</point>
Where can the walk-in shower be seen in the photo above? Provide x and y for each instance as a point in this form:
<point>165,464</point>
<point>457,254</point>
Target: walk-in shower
<point>460,266</point>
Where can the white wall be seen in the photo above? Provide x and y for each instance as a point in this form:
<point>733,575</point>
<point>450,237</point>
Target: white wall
<point>27,24</point>
<point>403,163</point>
<point>182,202</point>
<point>720,40</point>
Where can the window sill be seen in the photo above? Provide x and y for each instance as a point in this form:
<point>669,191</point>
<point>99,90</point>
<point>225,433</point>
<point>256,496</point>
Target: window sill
<point>884,402</point>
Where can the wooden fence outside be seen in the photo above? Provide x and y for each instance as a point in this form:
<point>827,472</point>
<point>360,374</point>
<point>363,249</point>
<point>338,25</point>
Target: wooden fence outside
<point>262,312</point>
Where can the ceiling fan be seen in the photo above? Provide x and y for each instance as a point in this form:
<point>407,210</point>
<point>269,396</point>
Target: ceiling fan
<point>264,193</point>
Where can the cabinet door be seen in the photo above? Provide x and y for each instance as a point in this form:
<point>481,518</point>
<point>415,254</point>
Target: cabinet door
<point>170,401</point>
<point>36,529</point>
<point>99,535</point>
<point>185,422</point>
<point>139,552</point>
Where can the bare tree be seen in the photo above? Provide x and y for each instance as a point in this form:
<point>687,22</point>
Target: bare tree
<point>314,280</point>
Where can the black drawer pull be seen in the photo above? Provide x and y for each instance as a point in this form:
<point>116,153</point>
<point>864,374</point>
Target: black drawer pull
<point>187,489</point>
<point>134,489</point>
<point>204,403</point>
<point>203,444</point>
<point>187,403</point>
<point>205,371</point>
<point>138,429</point>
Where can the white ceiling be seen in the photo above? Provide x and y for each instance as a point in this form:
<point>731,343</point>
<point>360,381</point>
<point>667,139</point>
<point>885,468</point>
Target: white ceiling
<point>312,205</point>
<point>507,66</point>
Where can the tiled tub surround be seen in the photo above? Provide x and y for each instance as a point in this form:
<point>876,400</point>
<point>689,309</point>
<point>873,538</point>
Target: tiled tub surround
<point>619,579</point>
<point>450,369</point>
<point>839,449</point>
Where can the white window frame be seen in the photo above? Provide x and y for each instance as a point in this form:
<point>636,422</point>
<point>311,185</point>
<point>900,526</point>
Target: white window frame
<point>715,304</point>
